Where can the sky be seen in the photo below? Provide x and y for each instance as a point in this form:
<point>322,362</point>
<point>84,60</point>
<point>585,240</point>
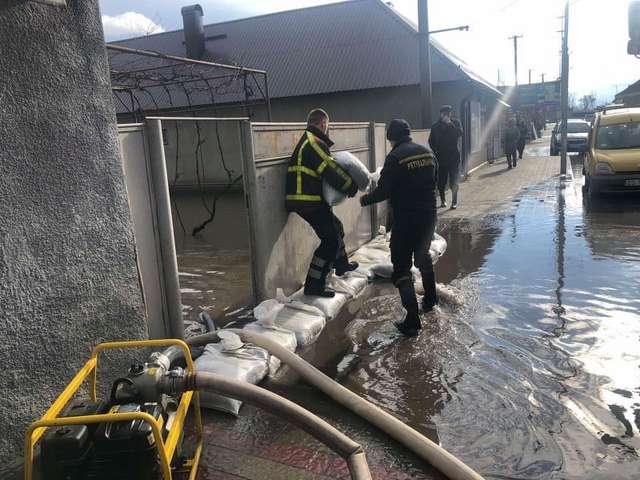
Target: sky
<point>598,34</point>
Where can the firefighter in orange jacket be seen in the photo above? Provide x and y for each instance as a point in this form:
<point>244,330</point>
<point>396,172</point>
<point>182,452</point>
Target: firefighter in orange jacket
<point>310,164</point>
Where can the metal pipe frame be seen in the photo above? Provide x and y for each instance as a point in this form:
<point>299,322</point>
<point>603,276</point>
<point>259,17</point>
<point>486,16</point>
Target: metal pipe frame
<point>166,239</point>
<point>166,449</point>
<point>148,53</point>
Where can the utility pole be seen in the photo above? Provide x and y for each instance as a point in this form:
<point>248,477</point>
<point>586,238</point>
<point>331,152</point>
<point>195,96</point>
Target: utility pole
<point>542,77</point>
<point>515,55</point>
<point>530,70</point>
<point>565,90</point>
<point>425,63</point>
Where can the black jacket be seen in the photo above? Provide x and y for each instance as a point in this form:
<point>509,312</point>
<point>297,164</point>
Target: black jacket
<point>511,138</point>
<point>443,140</point>
<point>310,164</point>
<point>408,178</point>
<point>524,130</point>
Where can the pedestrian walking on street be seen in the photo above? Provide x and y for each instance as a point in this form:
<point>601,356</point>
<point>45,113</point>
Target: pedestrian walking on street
<point>443,140</point>
<point>524,135</point>
<point>408,181</point>
<point>310,164</point>
<point>511,139</point>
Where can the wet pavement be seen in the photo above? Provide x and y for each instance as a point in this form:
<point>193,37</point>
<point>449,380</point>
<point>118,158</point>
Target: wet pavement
<point>538,375</point>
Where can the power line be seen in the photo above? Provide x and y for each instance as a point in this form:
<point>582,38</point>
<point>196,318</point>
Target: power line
<point>508,6</point>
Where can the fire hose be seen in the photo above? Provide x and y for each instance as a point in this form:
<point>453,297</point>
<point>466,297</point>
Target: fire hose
<point>424,448</point>
<point>277,405</point>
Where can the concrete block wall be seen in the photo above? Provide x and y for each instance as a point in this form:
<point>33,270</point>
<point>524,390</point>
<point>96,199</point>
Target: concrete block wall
<point>68,276</point>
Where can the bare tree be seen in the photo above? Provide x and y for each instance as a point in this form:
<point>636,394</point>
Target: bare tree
<point>588,102</point>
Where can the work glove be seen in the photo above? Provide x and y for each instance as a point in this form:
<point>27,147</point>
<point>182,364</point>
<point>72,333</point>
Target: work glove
<point>353,189</point>
<point>364,200</point>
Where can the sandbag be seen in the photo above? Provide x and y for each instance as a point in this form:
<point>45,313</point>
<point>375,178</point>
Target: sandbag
<point>283,337</point>
<point>437,248</point>
<point>267,311</point>
<point>358,172</point>
<point>330,307</point>
<point>234,360</point>
<point>305,321</point>
<point>351,283</point>
<point>382,270</point>
<point>376,257</point>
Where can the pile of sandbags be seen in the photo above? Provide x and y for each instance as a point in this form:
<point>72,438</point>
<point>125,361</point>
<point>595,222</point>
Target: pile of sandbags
<point>235,360</point>
<point>383,268</point>
<point>305,321</point>
<point>281,336</point>
<point>346,287</point>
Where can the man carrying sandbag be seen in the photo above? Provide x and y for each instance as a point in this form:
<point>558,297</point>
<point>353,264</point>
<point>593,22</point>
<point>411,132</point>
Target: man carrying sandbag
<point>310,164</point>
<point>408,180</point>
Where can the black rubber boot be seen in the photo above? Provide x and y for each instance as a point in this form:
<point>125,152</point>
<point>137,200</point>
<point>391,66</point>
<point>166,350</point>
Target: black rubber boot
<point>454,200</point>
<point>315,283</point>
<point>407,330</point>
<point>342,268</point>
<point>430,298</point>
<point>411,325</point>
<point>443,200</point>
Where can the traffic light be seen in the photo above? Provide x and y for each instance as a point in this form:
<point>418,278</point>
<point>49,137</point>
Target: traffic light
<point>633,47</point>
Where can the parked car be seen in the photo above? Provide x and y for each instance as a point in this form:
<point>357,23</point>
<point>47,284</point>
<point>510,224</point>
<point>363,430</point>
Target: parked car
<point>613,157</point>
<point>577,136</point>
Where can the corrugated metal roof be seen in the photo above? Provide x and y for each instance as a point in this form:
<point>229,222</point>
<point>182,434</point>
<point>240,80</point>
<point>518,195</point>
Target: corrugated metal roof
<point>353,45</point>
<point>634,88</point>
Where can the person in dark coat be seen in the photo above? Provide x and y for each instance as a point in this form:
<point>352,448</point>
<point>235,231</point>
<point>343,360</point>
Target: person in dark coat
<point>408,181</point>
<point>310,164</point>
<point>524,135</point>
<point>443,140</point>
<point>511,139</point>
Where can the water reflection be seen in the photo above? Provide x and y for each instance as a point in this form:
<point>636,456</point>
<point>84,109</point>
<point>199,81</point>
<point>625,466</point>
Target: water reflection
<point>538,376</point>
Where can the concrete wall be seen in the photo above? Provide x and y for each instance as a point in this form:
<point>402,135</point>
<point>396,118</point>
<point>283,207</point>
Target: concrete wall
<point>282,244</point>
<point>68,277</point>
<point>217,156</point>
<point>378,105</point>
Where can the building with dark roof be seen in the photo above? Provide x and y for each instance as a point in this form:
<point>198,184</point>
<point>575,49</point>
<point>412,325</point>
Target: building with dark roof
<point>630,96</point>
<point>357,59</point>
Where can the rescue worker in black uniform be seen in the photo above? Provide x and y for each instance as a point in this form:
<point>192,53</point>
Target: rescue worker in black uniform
<point>511,140</point>
<point>443,140</point>
<point>524,135</point>
<point>310,164</point>
<point>408,180</point>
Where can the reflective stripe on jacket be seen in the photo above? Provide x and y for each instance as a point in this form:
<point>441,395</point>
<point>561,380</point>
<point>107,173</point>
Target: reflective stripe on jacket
<point>310,164</point>
<point>408,179</point>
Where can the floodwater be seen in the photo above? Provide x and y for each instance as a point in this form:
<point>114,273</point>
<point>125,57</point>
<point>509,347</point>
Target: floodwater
<point>213,264</point>
<point>537,375</point>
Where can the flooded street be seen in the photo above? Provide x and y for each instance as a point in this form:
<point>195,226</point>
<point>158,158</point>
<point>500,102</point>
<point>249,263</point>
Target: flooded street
<point>535,376</point>
<point>538,375</point>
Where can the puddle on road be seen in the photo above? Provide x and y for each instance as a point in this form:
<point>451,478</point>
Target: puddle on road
<point>538,375</point>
